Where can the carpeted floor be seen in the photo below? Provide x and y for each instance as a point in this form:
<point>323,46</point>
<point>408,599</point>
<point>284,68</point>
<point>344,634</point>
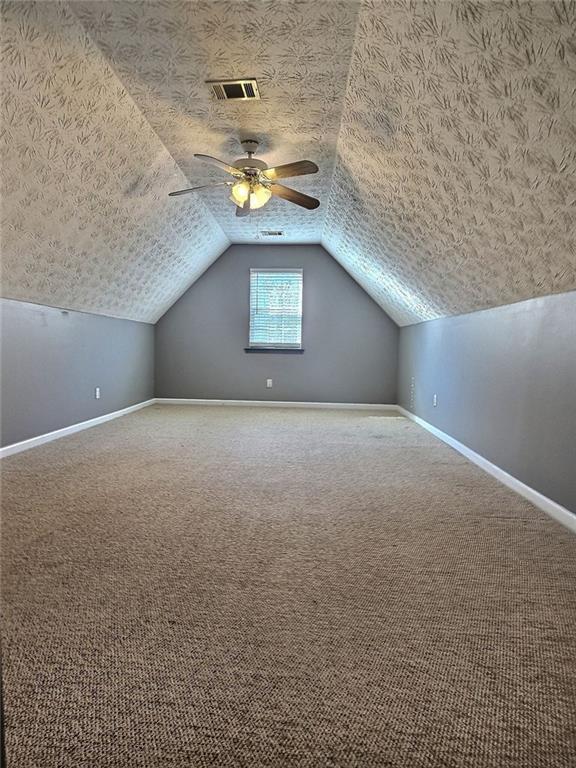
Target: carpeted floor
<point>190,587</point>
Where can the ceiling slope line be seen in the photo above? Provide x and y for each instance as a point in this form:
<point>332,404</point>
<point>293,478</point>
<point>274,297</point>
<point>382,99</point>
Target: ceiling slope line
<point>364,284</point>
<point>358,5</point>
<point>336,156</point>
<point>191,282</point>
<point>330,251</point>
<point>323,238</point>
<point>110,64</point>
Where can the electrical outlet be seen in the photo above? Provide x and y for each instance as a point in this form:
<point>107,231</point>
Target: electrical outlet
<point>435,400</point>
<point>97,393</point>
<point>269,383</point>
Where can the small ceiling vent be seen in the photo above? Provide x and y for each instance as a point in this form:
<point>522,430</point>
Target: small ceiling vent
<point>234,90</point>
<point>272,233</point>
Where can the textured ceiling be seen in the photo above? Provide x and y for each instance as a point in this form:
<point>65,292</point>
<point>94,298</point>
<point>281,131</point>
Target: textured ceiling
<point>86,220</point>
<point>298,51</point>
<point>455,187</point>
<point>445,134</point>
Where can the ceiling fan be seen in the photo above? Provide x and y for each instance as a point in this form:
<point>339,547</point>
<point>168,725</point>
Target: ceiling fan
<point>255,183</point>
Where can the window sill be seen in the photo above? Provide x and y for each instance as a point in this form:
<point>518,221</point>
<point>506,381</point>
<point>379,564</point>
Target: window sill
<point>274,350</point>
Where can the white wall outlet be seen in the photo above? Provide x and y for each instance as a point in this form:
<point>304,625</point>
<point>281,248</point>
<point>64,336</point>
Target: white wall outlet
<point>435,400</point>
<point>97,393</point>
<point>269,383</point>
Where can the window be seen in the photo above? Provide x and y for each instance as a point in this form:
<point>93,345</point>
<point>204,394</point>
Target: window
<point>276,308</point>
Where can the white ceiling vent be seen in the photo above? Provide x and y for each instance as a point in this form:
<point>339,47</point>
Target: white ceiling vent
<point>234,90</point>
<point>272,233</point>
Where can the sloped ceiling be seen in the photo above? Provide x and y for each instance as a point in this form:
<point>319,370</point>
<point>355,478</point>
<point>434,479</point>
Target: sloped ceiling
<point>455,187</point>
<point>445,133</point>
<point>86,220</point>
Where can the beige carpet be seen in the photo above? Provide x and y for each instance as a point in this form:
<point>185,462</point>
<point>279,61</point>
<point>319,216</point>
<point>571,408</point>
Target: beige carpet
<point>190,587</point>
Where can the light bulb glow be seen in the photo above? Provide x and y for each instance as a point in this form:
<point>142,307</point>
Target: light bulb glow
<point>240,192</point>
<point>259,194</point>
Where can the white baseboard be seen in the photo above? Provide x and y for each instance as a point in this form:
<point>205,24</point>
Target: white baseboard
<point>552,508</point>
<point>8,450</point>
<point>276,404</point>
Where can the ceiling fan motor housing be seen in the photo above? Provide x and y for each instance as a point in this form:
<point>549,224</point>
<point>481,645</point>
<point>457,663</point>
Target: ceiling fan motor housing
<point>247,163</point>
<point>250,146</point>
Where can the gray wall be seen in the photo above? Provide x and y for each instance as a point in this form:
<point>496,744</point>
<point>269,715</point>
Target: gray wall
<point>506,385</point>
<point>350,344</point>
<point>51,360</point>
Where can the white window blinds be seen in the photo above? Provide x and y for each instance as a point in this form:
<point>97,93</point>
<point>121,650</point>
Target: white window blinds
<point>276,308</point>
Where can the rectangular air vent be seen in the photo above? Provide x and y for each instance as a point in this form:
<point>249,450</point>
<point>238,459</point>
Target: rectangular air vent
<point>271,233</point>
<point>227,90</point>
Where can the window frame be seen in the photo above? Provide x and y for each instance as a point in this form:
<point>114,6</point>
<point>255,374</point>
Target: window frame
<point>276,347</point>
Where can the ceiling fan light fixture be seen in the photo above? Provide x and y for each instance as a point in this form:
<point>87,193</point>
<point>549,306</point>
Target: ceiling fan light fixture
<point>240,192</point>
<point>259,194</point>
<point>254,183</point>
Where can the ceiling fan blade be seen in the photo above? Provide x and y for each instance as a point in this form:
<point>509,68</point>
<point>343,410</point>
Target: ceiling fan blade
<point>245,210</point>
<point>204,186</point>
<point>220,164</point>
<point>294,197</point>
<point>300,168</point>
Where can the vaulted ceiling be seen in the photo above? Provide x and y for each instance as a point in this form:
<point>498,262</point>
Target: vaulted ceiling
<point>445,135</point>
